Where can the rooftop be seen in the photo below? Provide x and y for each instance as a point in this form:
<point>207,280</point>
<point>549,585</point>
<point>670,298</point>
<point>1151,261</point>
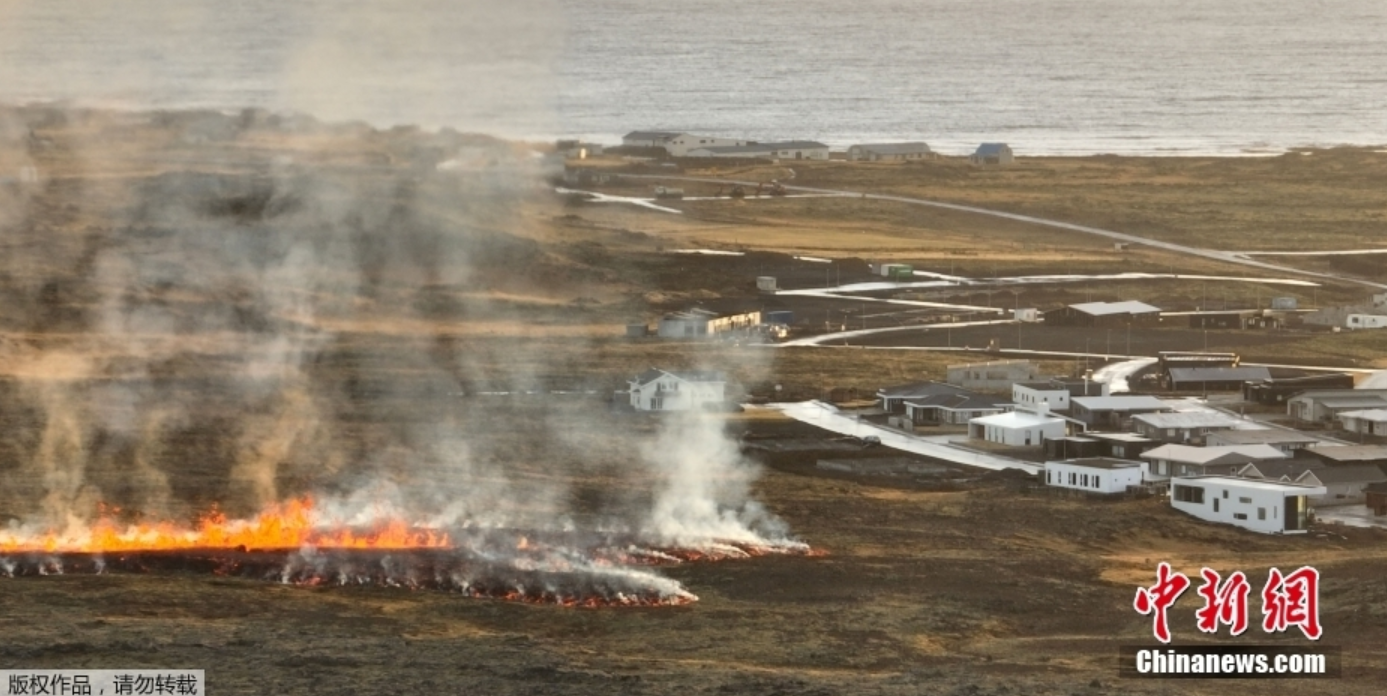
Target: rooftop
<point>1355,473</point>
<point>1204,455</point>
<point>1251,484</point>
<point>1105,308</point>
<point>763,147</point>
<point>1195,419</point>
<point>1370,401</point>
<point>650,135</point>
<point>1016,419</point>
<point>1276,468</point>
<point>1099,463</point>
<point>655,373</point>
<point>1118,437</point>
<point>1268,436</point>
<point>990,148</point>
<point>1120,403</point>
<point>1218,374</point>
<point>895,148</point>
<point>1352,453</point>
<point>1377,415</point>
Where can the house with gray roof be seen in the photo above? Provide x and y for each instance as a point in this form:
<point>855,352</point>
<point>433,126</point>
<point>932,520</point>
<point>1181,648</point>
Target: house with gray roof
<point>648,138</point>
<point>1284,470</point>
<point>937,402</point>
<point>1183,427</point>
<point>1369,421</point>
<point>1288,441</point>
<point>1214,378</point>
<point>992,154</point>
<point>789,149</point>
<point>1343,484</point>
<point>1113,412</point>
<point>1323,404</point>
<point>1104,314</point>
<point>1183,460</point>
<point>878,152</point>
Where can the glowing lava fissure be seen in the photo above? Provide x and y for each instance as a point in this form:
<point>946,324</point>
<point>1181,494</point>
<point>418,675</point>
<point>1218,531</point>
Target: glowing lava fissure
<point>290,543</point>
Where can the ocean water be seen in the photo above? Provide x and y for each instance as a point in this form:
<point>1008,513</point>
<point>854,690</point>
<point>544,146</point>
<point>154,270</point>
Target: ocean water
<point>1046,76</point>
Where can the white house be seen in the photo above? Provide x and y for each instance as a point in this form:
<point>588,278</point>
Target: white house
<point>1261,506</point>
<point>1183,427</point>
<point>992,153</point>
<point>1017,428</point>
<point>875,152</point>
<point>1365,321</point>
<point>681,144</point>
<point>1095,474</point>
<point>790,149</point>
<point>1368,421</point>
<point>661,390</point>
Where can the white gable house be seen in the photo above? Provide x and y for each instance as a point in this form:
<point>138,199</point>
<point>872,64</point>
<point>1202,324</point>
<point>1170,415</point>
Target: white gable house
<point>661,390</point>
<point>1261,506</point>
<point>1094,474</point>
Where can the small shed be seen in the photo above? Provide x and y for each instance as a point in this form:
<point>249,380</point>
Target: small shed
<point>992,154</point>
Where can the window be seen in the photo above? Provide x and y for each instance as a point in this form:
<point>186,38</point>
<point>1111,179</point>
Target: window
<point>1095,481</point>
<point>1225,492</point>
<point>1073,478</point>
<point>1188,494</point>
<point>1085,481</point>
<point>1215,504</point>
<point>1261,513</point>
<point>1239,516</point>
<point>1245,501</point>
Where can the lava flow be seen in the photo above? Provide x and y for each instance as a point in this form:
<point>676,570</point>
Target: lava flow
<point>291,543</point>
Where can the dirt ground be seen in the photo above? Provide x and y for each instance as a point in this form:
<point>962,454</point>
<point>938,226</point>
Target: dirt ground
<point>159,344</point>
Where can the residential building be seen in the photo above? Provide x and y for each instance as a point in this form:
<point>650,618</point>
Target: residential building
<point>1183,427</point>
<point>680,145</point>
<point>702,323</point>
<point>1284,470</point>
<point>1340,455</point>
<point>662,390</point>
<point>1113,412</point>
<point>1371,421</point>
<point>648,138</point>
<point>992,154</point>
<point>956,407</point>
<point>1095,474</point>
<point>1172,460</point>
<point>789,149</point>
<point>1344,485</point>
<point>1126,313</point>
<point>1017,428</point>
<point>1366,321</point>
<point>1055,392</point>
<point>1322,405</point>
<point>892,399</point>
<point>1214,378</point>
<point>1288,441</point>
<point>998,375</point>
<point>1123,445</point>
<point>1267,507</point>
<point>1277,389</point>
<point>877,152</point>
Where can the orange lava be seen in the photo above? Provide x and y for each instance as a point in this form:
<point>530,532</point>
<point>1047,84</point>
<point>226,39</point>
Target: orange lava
<point>287,525</point>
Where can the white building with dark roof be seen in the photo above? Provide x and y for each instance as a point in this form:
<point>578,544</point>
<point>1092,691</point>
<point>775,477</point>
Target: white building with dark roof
<point>877,152</point>
<point>1267,507</point>
<point>1095,474</point>
<point>662,390</point>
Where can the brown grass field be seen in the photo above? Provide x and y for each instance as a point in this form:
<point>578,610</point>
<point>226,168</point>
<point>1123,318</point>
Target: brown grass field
<point>134,285</point>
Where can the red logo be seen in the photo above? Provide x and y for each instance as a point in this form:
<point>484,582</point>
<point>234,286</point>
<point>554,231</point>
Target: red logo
<point>1160,597</point>
<point>1293,600</point>
<point>1223,604</point>
<point>1287,600</point>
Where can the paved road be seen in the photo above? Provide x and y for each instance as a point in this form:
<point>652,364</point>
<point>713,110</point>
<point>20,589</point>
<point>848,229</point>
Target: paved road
<point>1217,255</point>
<point>822,415</point>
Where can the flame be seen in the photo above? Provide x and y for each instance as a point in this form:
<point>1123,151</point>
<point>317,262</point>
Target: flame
<point>288,525</point>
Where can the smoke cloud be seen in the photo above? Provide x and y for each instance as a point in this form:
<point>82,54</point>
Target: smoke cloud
<point>227,309</point>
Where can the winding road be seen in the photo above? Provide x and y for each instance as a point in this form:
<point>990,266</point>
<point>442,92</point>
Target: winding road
<point>1233,257</point>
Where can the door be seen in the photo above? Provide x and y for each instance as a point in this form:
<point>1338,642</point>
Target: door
<point>1295,513</point>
